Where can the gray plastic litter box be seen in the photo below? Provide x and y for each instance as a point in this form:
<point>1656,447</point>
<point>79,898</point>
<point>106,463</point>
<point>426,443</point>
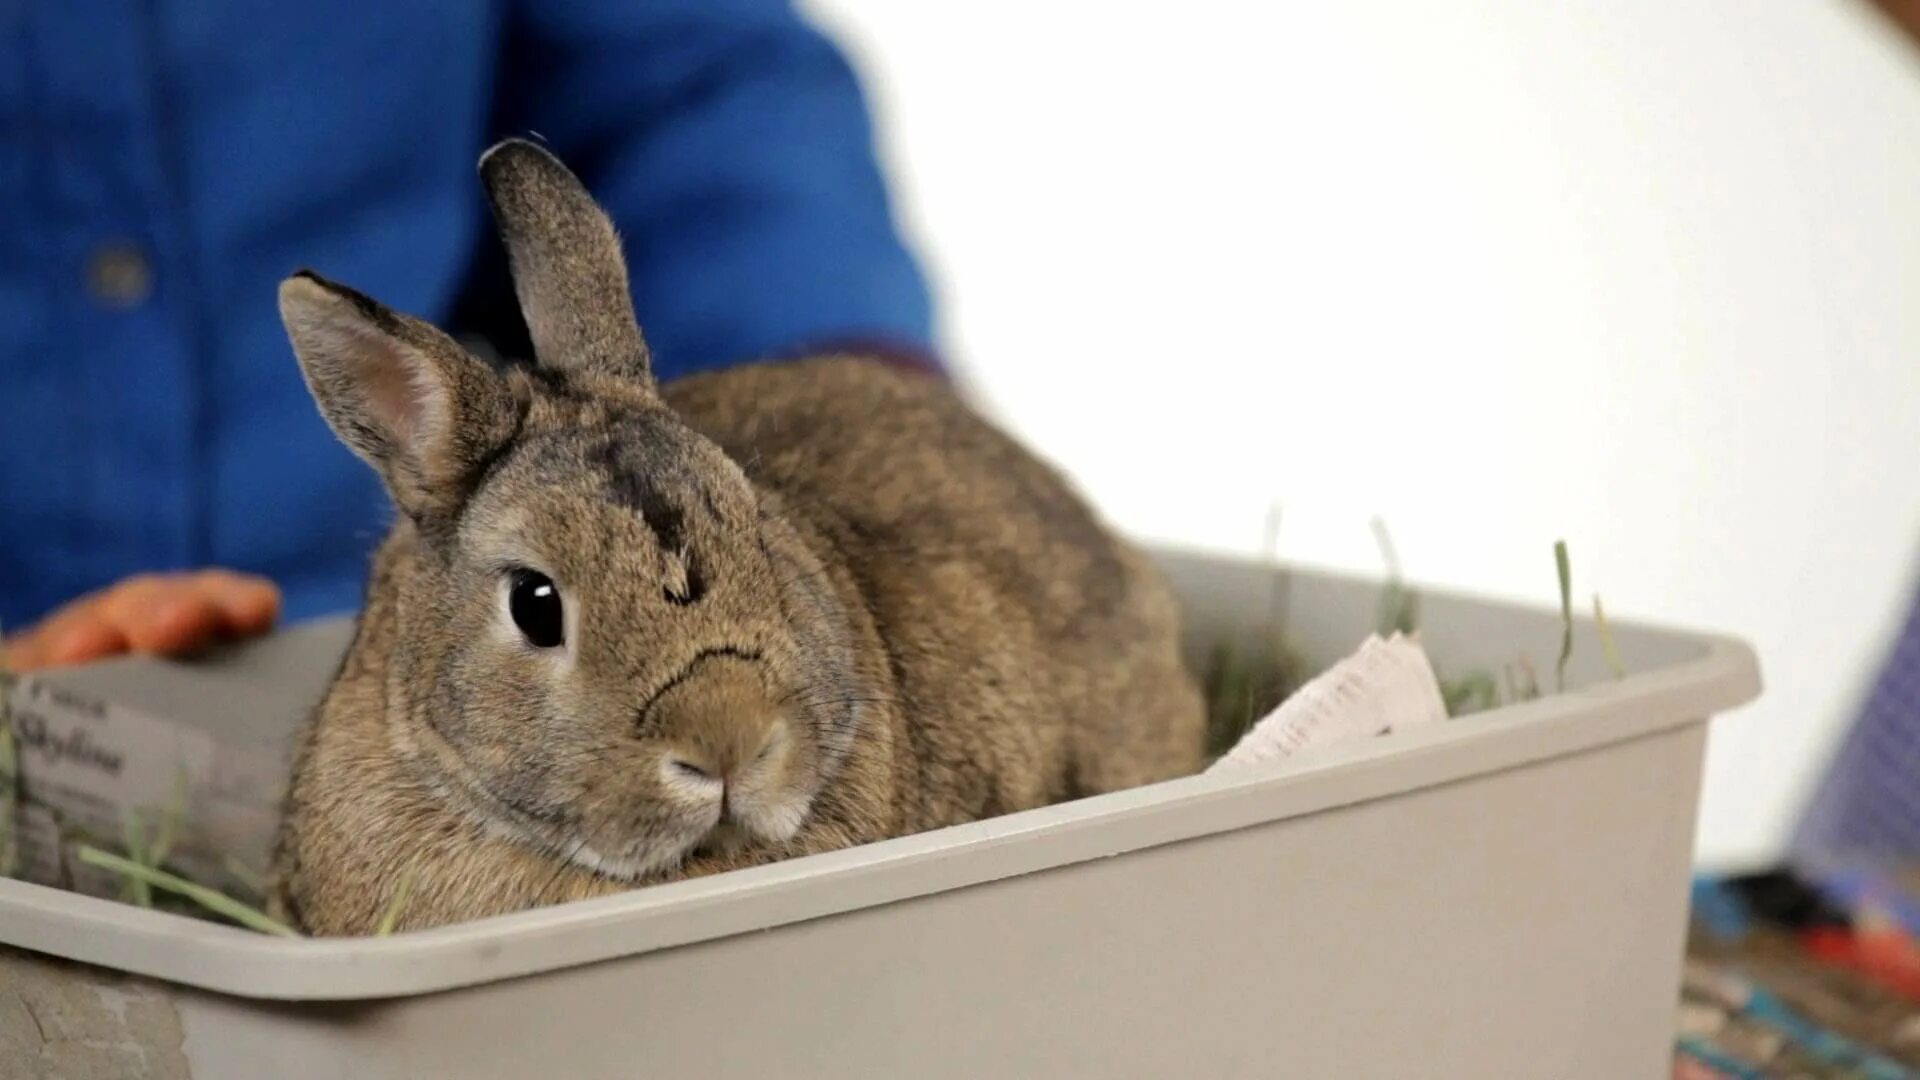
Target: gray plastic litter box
<point>1502,896</point>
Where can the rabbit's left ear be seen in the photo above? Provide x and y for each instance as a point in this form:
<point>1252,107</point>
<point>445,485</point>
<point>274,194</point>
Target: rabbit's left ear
<point>567,267</point>
<point>421,410</point>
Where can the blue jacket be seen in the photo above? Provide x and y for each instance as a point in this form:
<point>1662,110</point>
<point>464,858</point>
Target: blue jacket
<point>163,166</point>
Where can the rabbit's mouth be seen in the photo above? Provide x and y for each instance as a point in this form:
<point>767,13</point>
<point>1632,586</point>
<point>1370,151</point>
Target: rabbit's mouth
<point>666,844</point>
<point>774,816</point>
<point>770,819</point>
<point>724,839</point>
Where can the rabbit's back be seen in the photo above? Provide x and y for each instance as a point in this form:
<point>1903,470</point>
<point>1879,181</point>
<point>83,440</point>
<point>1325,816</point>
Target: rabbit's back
<point>1034,655</point>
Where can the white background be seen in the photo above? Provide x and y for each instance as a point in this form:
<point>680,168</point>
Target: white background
<point>1641,274</point>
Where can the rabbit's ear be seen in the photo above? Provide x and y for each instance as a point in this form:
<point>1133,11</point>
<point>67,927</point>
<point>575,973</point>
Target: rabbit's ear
<point>420,409</point>
<point>567,267</point>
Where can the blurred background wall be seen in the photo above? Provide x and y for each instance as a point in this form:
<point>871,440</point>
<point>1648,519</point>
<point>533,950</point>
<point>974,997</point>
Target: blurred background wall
<point>1644,274</point>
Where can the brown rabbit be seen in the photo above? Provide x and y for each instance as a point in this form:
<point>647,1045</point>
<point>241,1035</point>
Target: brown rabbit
<point>624,634</point>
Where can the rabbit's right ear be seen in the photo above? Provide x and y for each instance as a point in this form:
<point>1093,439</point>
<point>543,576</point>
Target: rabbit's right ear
<point>567,267</point>
<point>421,410</point>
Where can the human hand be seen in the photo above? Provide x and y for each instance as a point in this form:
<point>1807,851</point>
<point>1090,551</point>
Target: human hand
<point>161,614</point>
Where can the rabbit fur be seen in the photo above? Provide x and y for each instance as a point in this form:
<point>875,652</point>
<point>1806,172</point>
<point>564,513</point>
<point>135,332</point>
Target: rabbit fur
<point>804,606</point>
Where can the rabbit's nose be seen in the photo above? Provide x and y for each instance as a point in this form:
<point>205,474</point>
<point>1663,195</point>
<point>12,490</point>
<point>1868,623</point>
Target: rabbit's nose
<point>720,760</point>
<point>690,774</point>
<point>714,722</point>
<point>687,767</point>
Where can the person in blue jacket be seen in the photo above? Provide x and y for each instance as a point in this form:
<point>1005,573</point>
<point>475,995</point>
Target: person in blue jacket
<point>164,165</point>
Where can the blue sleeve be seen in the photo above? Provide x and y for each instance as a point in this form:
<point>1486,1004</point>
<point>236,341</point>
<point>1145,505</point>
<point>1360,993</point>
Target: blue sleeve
<point>1868,803</point>
<point>730,143</point>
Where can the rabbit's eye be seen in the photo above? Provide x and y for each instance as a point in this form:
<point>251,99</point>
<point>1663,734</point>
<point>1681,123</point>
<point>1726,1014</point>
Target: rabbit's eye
<point>534,600</point>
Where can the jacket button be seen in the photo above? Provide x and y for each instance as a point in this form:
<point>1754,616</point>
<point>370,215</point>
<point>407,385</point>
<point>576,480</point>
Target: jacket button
<point>120,276</point>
